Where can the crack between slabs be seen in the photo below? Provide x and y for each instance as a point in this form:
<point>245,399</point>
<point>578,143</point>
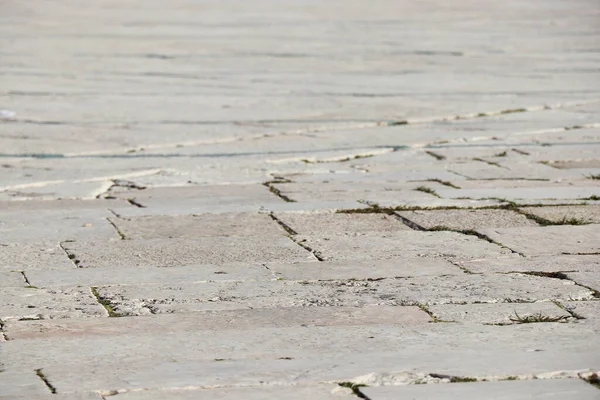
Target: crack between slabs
<point>104,302</point>
<point>292,233</point>
<point>44,379</point>
<point>119,232</point>
<point>277,192</point>
<point>71,256</point>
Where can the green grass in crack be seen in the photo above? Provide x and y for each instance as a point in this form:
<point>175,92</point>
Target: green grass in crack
<point>503,154</point>
<point>539,317</point>
<point>105,303</point>
<point>425,189</point>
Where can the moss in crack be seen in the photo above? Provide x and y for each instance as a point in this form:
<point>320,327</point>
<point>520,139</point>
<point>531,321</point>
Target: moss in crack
<point>105,303</point>
<point>546,222</point>
<point>396,123</point>
<point>502,154</point>
<point>434,318</point>
<point>44,379</point>
<point>593,197</point>
<point>513,110</point>
<point>277,192</point>
<point>593,380</point>
<point>495,164</point>
<point>355,387</point>
<point>538,317</point>
<point>460,379</point>
<point>524,153</point>
<point>445,183</point>
<point>425,189</point>
<point>119,232</point>
<point>593,176</point>
<point>437,156</point>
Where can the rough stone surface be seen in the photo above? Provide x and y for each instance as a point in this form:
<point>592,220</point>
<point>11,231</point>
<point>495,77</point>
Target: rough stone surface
<point>551,389</point>
<point>498,313</point>
<point>466,219</point>
<point>171,253</point>
<point>193,226</point>
<point>402,244</point>
<point>314,224</point>
<point>587,214</point>
<point>548,240</point>
<point>153,153</point>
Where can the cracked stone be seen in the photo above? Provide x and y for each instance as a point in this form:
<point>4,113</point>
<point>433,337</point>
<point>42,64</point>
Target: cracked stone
<point>466,219</point>
<point>332,223</point>
<point>589,214</point>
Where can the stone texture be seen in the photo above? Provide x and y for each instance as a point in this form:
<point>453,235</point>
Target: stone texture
<point>401,245</point>
<point>20,256</point>
<point>548,240</point>
<point>497,313</point>
<point>172,253</point>
<point>350,224</point>
<point>467,219</point>
<point>588,214</point>
<point>558,263</point>
<point>551,389</point>
<point>336,270</point>
<point>193,226</point>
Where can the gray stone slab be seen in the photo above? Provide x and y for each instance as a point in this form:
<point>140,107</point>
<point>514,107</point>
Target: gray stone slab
<point>498,313</point>
<point>554,389</point>
<point>33,255</point>
<point>376,269</point>
<point>446,289</point>
<point>530,194</point>
<point>39,303</point>
<point>11,279</point>
<point>466,219</point>
<point>340,223</point>
<point>291,392</point>
<point>588,279</point>
<point>147,275</point>
<point>587,214</point>
<point>21,384</point>
<point>548,240</point>
<point>590,310</point>
<point>298,355</point>
<point>193,226</point>
<point>172,253</point>
<point>198,199</point>
<point>402,244</point>
<point>557,263</point>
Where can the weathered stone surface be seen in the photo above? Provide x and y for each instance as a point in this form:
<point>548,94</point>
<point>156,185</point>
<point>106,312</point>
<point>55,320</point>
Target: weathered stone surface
<point>551,389</point>
<point>164,298</point>
<point>558,263</point>
<point>376,269</point>
<point>193,226</point>
<point>498,313</point>
<point>172,253</point>
<point>350,224</point>
<point>590,310</point>
<point>588,279</point>
<point>466,219</point>
<point>548,240</point>
<point>587,214</point>
<point>291,392</point>
<point>147,275</point>
<point>402,244</point>
<point>11,279</point>
<point>33,255</point>
<point>34,303</point>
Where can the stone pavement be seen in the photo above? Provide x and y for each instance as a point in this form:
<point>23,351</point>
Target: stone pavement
<point>299,199</point>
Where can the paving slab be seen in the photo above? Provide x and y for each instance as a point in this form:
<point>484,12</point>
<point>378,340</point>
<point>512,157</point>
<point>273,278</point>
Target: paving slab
<point>590,310</point>
<point>37,303</point>
<point>172,253</point>
<point>12,279</point>
<point>376,269</point>
<point>466,219</point>
<point>548,240</point>
<point>20,256</point>
<point>291,392</point>
<point>532,194</point>
<point>589,214</point>
<point>402,244</point>
<point>183,298</point>
<point>534,389</point>
<point>503,313</point>
<point>100,276</point>
<point>199,225</point>
<point>588,279</point>
<point>555,263</point>
<point>349,224</point>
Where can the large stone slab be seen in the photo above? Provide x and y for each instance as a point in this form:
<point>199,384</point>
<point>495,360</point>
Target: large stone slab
<point>33,256</point>
<point>291,392</point>
<point>466,219</point>
<point>340,223</point>
<point>172,253</point>
<point>199,225</point>
<point>557,263</point>
<point>503,313</point>
<point>588,214</point>
<point>548,240</point>
<point>39,303</point>
<point>376,269</point>
<point>457,289</point>
<point>402,244</point>
<point>551,389</point>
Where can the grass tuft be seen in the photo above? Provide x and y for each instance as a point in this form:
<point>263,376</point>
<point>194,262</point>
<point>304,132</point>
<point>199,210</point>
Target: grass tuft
<point>425,189</point>
<point>539,317</point>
